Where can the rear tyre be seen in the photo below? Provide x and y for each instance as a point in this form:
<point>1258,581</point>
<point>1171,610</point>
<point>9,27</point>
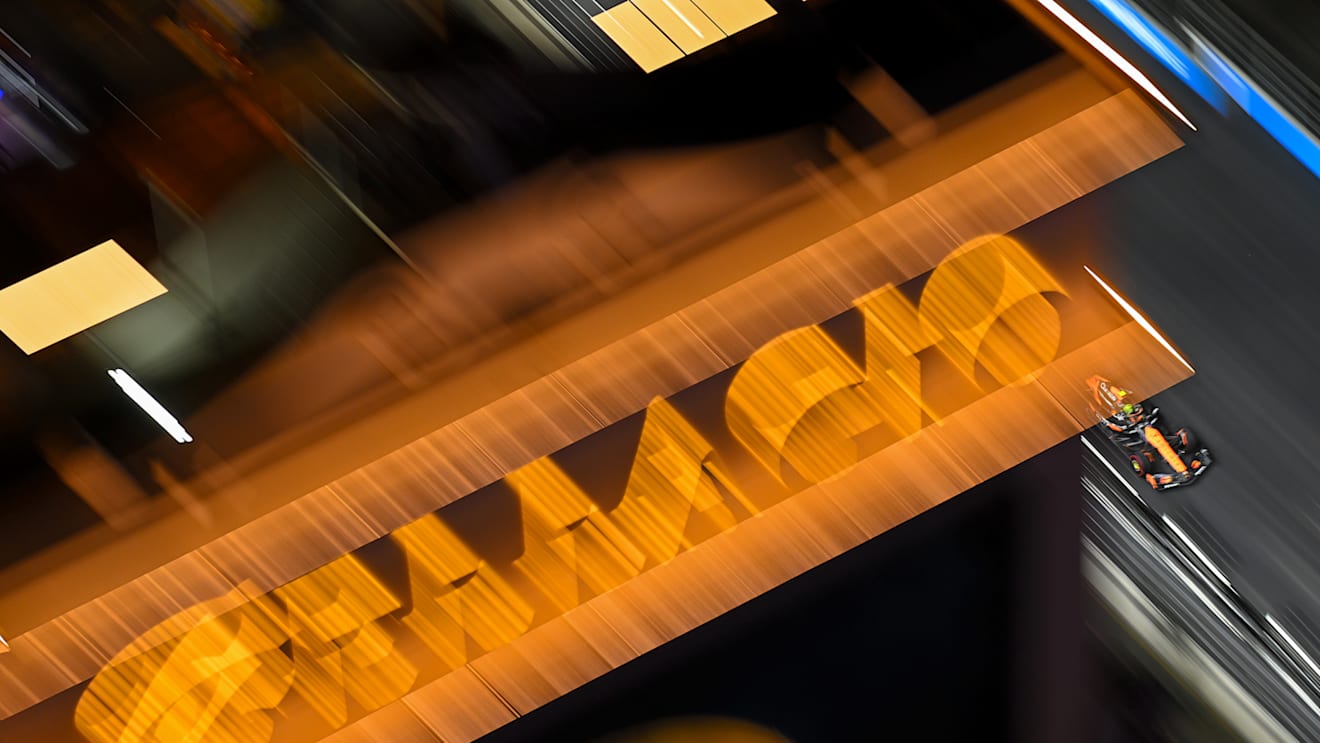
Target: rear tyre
<point>1187,439</point>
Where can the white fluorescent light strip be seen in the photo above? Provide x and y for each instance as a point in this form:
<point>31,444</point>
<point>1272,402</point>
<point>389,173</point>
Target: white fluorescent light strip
<point>1113,56</point>
<point>1143,322</point>
<point>149,404</point>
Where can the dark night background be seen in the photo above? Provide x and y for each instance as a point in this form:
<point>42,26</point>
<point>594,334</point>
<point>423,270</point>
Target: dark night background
<point>962,624</point>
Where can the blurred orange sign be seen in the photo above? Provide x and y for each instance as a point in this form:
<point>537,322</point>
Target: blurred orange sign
<point>361,632</point>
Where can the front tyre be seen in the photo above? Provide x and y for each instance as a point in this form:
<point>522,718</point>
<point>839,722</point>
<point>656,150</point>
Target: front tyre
<point>1138,464</point>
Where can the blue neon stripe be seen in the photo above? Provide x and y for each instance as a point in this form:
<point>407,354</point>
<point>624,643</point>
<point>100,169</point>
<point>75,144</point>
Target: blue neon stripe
<point>1271,117</point>
<point>1163,47</point>
<point>1205,72</point>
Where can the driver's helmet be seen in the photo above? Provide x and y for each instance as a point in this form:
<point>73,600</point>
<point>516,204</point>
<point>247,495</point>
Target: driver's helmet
<point>1118,401</point>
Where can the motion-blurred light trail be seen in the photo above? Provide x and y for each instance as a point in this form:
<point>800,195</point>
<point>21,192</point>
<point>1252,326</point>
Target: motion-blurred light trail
<point>1272,116</point>
<point>1165,47</point>
<point>1111,468</point>
<point>149,404</point>
<point>1113,56</point>
<point>1182,535</point>
<point>1142,321</point>
<point>1296,648</point>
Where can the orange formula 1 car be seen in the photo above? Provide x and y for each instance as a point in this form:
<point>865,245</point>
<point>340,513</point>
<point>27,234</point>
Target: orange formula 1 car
<point>1165,461</point>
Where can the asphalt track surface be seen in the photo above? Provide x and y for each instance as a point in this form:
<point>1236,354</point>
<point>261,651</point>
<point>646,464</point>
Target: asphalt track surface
<point>1219,245</point>
<point>1192,604</point>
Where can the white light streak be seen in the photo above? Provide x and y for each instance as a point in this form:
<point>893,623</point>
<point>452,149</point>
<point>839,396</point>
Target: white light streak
<point>1292,684</point>
<point>149,404</point>
<point>1114,57</point>
<point>1197,550</point>
<point>1110,467</point>
<point>1293,644</point>
<point>1122,520</point>
<point>1142,321</point>
<point>684,19</point>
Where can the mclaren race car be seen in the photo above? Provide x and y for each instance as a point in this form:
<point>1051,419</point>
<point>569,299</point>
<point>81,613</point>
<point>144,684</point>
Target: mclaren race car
<point>1163,460</point>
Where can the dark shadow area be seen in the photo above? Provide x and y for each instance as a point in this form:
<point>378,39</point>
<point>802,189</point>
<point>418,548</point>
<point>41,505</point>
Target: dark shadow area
<point>920,634</point>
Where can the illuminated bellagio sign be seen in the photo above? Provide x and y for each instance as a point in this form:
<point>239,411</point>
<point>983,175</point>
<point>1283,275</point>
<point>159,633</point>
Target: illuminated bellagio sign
<point>343,640</point>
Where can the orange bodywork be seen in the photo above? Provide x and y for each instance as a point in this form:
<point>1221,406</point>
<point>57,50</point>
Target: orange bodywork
<point>1161,444</point>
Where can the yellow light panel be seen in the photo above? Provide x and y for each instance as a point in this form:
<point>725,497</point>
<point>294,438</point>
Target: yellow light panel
<point>72,296</point>
<point>733,16</point>
<point>682,21</point>
<point>637,36</point>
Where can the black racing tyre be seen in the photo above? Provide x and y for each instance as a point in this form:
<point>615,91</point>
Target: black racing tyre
<point>1138,462</point>
<point>1187,439</point>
